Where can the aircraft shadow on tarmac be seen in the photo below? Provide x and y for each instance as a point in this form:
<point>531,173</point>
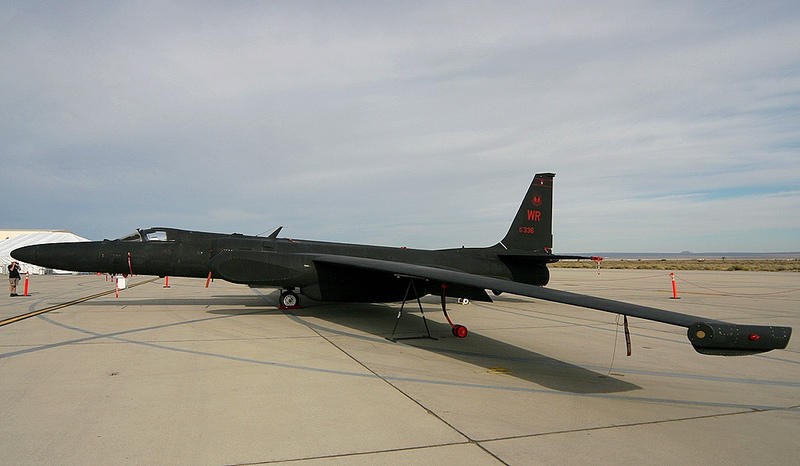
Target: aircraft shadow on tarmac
<point>378,320</point>
<point>494,355</point>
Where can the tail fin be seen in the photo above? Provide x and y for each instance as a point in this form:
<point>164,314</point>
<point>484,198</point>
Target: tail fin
<point>532,229</point>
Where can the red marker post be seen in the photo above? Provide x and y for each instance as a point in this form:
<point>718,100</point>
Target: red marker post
<point>27,274</point>
<point>597,259</point>
<point>674,287</point>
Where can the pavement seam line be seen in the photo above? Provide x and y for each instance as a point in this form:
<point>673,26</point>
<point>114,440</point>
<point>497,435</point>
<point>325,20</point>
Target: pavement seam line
<point>359,453</point>
<point>417,402</point>
<point>637,424</point>
<point>395,387</point>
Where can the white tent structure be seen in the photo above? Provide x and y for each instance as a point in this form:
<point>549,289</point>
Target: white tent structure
<point>18,239</point>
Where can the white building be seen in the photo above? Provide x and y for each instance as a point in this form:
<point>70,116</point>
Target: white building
<point>13,239</point>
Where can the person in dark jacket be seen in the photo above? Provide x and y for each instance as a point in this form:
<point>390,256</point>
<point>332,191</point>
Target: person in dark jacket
<point>13,278</point>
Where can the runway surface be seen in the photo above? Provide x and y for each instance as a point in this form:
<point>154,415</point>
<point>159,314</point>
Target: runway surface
<point>190,375</point>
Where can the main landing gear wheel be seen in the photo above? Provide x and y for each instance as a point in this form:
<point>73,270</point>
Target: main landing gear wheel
<point>289,299</point>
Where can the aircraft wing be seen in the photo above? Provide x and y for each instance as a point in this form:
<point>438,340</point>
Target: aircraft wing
<point>708,336</point>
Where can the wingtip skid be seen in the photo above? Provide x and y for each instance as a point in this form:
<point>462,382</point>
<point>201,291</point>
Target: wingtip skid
<point>724,339</point>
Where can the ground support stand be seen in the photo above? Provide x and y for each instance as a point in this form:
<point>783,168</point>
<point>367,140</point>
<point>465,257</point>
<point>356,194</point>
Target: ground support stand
<point>410,287</point>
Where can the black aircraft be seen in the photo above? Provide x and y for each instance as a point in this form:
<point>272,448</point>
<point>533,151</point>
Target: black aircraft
<point>326,271</point>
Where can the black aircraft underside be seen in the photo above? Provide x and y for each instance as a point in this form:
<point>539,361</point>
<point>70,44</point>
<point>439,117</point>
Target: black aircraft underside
<point>357,273</point>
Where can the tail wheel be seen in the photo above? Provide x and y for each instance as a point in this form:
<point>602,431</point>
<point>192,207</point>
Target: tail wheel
<point>289,299</point>
<point>460,331</point>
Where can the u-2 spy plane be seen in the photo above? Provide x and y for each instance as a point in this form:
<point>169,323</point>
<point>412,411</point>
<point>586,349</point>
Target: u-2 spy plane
<point>339,272</point>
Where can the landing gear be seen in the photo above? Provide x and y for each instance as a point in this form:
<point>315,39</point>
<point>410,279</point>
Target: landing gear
<point>289,300</point>
<point>458,330</point>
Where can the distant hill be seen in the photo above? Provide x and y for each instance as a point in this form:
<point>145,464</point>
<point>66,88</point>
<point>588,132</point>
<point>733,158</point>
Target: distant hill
<point>686,255</point>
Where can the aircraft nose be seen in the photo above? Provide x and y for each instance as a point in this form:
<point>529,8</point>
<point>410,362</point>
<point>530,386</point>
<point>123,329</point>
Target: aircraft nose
<point>77,257</point>
<point>26,254</point>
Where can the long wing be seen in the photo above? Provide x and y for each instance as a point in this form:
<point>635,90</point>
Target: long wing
<point>708,336</point>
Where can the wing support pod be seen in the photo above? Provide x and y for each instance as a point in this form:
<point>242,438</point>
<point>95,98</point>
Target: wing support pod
<point>707,336</point>
<point>723,339</point>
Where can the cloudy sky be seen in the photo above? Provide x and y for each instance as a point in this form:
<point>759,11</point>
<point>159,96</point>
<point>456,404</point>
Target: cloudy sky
<point>671,126</point>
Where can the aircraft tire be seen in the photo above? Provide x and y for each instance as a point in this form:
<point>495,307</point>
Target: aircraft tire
<point>289,299</point>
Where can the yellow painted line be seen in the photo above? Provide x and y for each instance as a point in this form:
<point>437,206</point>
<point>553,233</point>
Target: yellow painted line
<point>11,320</point>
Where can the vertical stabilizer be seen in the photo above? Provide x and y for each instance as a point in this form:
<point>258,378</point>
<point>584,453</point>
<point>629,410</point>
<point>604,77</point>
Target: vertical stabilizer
<point>532,229</point>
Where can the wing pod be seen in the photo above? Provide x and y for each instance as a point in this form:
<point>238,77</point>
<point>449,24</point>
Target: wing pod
<point>724,339</point>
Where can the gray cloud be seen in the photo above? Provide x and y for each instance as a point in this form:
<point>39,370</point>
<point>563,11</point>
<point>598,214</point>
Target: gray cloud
<point>671,126</point>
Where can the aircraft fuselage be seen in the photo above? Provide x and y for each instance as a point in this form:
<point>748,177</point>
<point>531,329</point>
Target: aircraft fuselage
<point>277,262</point>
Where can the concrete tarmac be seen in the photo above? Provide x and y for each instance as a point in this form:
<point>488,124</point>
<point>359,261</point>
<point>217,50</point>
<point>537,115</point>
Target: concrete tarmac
<point>219,375</point>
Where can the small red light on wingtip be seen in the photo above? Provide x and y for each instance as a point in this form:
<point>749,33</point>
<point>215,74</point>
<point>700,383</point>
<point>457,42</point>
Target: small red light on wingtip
<point>754,337</point>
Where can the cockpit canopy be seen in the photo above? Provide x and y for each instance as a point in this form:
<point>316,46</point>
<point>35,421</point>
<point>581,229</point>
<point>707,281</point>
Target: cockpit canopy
<point>151,234</point>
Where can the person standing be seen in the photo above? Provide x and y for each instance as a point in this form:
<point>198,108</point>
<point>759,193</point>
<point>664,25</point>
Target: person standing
<point>13,278</point>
